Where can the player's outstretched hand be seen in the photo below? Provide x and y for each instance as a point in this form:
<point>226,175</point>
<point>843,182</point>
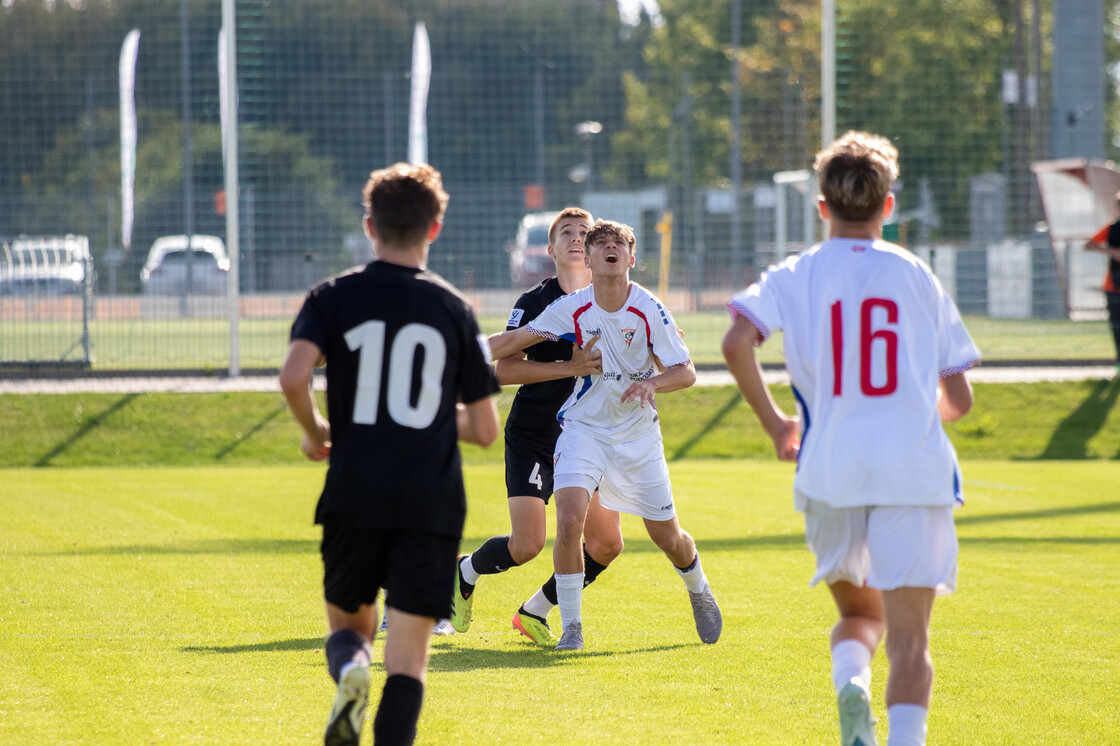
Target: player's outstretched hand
<point>587,360</point>
<point>787,439</point>
<point>643,391</point>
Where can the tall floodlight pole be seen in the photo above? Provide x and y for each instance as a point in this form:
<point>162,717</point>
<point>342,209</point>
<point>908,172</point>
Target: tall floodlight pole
<point>188,172</point>
<point>736,145</point>
<point>233,189</point>
<point>828,71</point>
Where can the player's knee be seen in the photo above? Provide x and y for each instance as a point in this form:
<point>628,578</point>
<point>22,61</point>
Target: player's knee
<point>909,652</point>
<point>569,522</point>
<point>604,549</point>
<point>525,548</point>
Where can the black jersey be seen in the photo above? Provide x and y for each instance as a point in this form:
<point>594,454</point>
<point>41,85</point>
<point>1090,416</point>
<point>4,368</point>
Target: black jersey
<point>1113,265</point>
<point>402,345</point>
<point>532,416</point>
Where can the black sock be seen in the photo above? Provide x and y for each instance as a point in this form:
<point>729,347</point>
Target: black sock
<point>399,711</point>
<point>591,570</point>
<point>493,556</point>
<point>345,646</point>
<point>549,590</point>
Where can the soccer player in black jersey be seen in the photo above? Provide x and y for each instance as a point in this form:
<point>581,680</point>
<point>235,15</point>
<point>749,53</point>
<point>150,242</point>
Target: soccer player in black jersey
<point>401,347</point>
<point>546,377</point>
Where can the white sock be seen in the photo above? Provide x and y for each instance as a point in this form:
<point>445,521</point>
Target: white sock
<point>469,573</point>
<point>569,592</point>
<point>850,660</point>
<point>906,725</point>
<point>694,578</point>
<point>539,605</point>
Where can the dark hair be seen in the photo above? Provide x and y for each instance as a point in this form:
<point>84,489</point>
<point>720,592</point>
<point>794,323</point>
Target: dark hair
<point>404,200</point>
<point>610,228</point>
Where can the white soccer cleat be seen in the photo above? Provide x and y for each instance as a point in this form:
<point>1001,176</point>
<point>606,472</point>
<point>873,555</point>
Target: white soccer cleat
<point>344,727</point>
<point>857,726</point>
<point>443,627</point>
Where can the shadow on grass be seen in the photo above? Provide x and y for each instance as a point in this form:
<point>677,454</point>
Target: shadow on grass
<point>457,658</point>
<point>1027,515</point>
<point>709,426</point>
<point>448,657</point>
<point>86,428</point>
<point>643,545</point>
<point>276,646</point>
<point>202,546</point>
<point>238,442</point>
<point>1070,439</point>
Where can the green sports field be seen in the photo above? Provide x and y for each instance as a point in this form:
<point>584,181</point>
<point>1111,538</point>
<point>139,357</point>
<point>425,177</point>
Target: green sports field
<point>153,603</point>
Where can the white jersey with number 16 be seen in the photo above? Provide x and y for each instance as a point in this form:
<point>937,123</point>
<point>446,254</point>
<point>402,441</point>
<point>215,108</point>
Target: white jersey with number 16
<point>868,331</point>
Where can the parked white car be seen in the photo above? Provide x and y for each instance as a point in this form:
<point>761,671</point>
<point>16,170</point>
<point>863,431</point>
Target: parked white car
<point>165,272</point>
<point>44,265</point>
<point>529,262</point>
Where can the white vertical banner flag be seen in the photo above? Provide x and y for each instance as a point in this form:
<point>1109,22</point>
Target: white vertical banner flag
<point>128,131</point>
<point>223,92</point>
<point>418,104</point>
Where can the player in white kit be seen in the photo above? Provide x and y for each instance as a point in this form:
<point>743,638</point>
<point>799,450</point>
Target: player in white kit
<point>611,439</point>
<point>876,354</point>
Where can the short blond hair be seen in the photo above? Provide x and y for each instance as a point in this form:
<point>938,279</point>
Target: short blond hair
<point>855,174</point>
<point>568,212</point>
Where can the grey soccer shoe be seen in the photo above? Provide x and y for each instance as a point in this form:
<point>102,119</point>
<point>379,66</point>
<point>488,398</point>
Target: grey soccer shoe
<point>572,639</point>
<point>705,610</point>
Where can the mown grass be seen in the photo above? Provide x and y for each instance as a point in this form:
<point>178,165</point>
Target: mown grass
<point>160,582</point>
<point>1071,420</point>
<point>182,605</point>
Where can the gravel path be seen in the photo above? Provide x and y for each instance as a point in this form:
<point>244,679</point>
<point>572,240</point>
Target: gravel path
<point>715,377</point>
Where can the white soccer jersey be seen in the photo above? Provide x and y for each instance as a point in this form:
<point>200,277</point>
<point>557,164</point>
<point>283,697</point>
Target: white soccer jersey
<point>628,339</point>
<point>868,332</point>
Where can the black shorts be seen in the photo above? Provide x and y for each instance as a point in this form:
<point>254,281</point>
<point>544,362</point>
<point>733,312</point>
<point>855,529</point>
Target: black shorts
<point>529,470</point>
<point>416,568</point>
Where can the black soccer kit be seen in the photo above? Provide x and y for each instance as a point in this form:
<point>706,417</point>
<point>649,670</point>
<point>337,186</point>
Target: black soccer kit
<point>531,427</point>
<point>401,346</point>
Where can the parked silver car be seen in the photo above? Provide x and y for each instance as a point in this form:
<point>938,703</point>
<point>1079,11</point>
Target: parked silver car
<point>166,271</point>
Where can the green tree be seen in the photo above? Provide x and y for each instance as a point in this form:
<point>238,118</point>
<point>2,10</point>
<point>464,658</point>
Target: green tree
<point>297,178</point>
<point>924,72</point>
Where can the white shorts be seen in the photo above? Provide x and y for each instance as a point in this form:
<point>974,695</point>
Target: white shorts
<point>885,547</point>
<point>631,477</point>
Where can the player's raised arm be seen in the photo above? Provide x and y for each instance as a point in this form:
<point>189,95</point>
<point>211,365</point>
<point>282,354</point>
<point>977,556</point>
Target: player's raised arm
<point>504,344</point>
<point>675,378</point>
<point>738,351</point>
<point>586,361</point>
